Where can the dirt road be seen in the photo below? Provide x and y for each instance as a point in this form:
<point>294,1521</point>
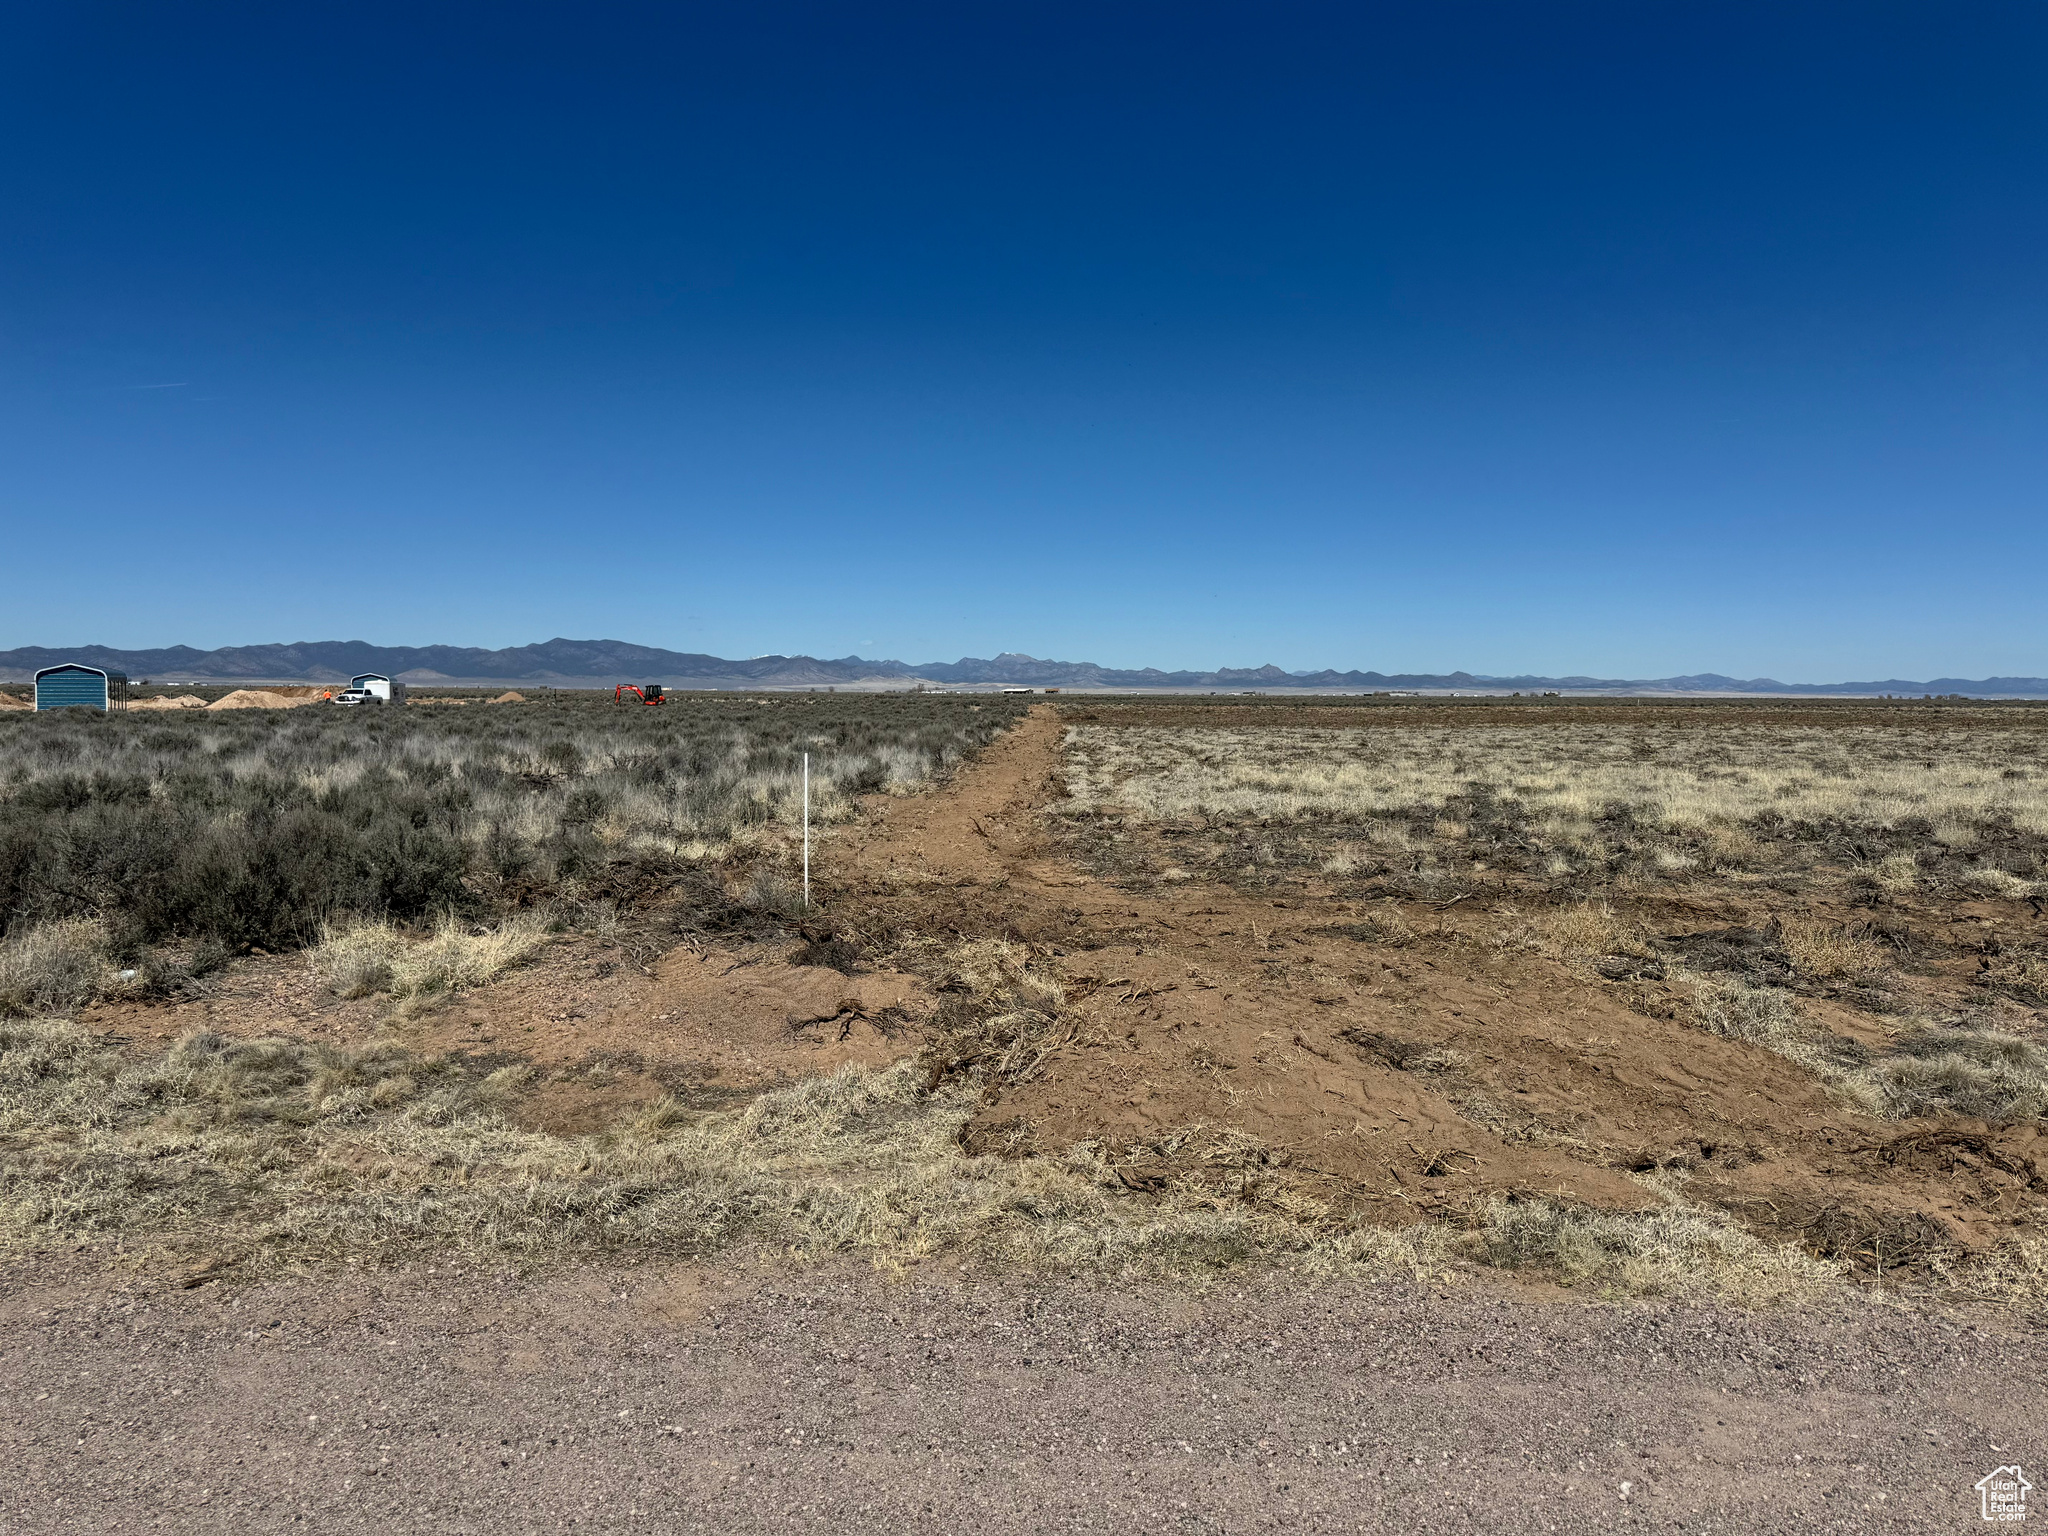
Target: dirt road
<point>690,1400</point>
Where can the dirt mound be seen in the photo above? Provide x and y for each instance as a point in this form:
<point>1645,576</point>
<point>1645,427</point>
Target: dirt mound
<point>260,698</point>
<point>509,698</point>
<point>182,701</point>
<point>15,701</point>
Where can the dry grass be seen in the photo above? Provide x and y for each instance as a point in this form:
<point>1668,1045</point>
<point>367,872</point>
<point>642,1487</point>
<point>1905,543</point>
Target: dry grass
<point>1381,923</point>
<point>1565,777</point>
<point>1768,1017</point>
<point>1896,874</point>
<point>1832,952</point>
<point>1731,1007</point>
<point>1587,931</point>
<point>1679,1249</point>
<point>1000,1019</point>
<point>376,957</point>
<point>2014,1274</point>
<point>1609,804</point>
<point>53,968</point>
<point>998,972</point>
<point>270,1151</point>
<point>2021,974</point>
<point>1985,1074</point>
<point>2002,882</point>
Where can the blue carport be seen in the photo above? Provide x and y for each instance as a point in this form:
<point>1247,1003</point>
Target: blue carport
<point>76,686</point>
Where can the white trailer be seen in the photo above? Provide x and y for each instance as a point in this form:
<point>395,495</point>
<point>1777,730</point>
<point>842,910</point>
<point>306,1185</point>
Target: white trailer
<point>372,688</point>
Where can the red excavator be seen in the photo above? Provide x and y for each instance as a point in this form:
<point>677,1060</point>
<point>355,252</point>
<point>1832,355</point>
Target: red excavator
<point>650,694</point>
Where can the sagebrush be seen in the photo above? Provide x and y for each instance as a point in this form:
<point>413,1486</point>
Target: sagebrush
<point>265,827</point>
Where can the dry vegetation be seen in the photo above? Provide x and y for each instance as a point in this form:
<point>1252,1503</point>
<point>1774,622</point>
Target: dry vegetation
<point>227,1153</point>
<point>141,852</point>
<point>1757,884</point>
<point>267,1147</point>
<point>1586,805</point>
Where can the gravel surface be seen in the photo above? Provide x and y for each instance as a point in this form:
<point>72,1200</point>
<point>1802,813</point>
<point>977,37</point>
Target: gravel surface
<point>689,1399</point>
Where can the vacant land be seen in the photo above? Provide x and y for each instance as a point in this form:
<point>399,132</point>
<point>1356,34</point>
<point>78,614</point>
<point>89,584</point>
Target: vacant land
<point>457,1116</point>
<point>1742,1002</point>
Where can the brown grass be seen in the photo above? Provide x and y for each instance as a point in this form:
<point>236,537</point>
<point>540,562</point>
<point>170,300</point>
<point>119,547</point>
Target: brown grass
<point>1567,776</point>
<point>58,967</point>
<point>1833,952</point>
<point>363,958</point>
<point>1677,1250</point>
<point>1588,930</point>
<point>1611,804</point>
<point>269,1151</point>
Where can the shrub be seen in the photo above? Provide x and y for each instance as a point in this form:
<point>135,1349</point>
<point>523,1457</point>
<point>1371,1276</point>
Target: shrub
<point>269,828</point>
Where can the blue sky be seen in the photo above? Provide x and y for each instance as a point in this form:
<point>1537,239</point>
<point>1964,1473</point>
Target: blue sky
<point>1602,338</point>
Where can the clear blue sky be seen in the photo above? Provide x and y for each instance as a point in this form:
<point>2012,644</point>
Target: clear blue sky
<point>1615,338</point>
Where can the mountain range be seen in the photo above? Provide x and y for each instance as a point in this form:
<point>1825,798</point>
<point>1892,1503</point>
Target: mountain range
<point>600,663</point>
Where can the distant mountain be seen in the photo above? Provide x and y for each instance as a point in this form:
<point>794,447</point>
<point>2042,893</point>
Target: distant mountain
<point>600,663</point>
<point>564,663</point>
<point>1029,671</point>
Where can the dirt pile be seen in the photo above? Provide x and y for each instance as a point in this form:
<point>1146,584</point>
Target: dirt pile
<point>14,701</point>
<point>509,698</point>
<point>263,698</point>
<point>182,701</point>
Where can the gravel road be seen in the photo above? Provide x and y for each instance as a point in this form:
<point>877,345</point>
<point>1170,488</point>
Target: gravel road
<point>686,1399</point>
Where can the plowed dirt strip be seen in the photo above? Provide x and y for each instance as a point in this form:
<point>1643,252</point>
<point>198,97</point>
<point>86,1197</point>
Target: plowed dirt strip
<point>1202,1006</point>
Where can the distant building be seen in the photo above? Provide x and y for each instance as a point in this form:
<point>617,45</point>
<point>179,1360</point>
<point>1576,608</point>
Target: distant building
<point>77,686</point>
<point>379,687</point>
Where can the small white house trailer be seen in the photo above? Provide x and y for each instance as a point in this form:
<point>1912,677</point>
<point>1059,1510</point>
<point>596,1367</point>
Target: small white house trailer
<point>380,688</point>
<point>76,686</point>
